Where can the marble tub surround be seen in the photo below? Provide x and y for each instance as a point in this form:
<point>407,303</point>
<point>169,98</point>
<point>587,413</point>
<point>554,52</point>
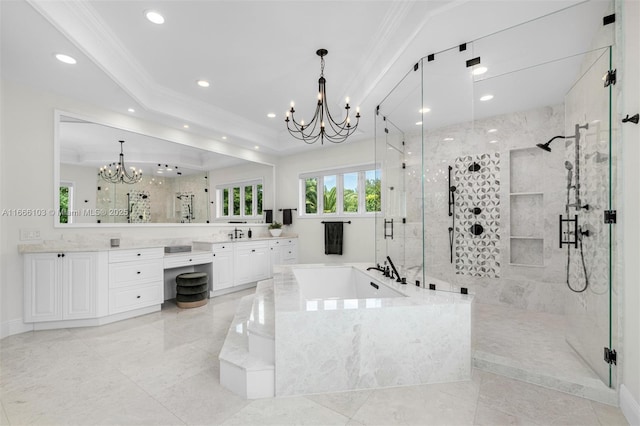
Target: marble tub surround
<point>329,345</point>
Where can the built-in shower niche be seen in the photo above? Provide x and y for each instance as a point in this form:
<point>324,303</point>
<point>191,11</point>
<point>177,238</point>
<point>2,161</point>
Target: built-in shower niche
<point>526,207</point>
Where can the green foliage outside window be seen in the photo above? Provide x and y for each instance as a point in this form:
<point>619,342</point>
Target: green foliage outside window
<point>225,202</point>
<point>248,200</point>
<point>372,195</point>
<point>64,204</point>
<point>311,195</point>
<point>236,201</point>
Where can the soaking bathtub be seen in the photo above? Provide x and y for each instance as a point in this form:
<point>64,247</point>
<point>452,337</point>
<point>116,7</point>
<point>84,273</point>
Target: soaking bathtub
<point>344,328</point>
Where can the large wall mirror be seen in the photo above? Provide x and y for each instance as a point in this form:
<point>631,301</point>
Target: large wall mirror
<point>175,183</point>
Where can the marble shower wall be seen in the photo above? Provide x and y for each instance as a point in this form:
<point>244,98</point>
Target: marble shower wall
<point>537,288</point>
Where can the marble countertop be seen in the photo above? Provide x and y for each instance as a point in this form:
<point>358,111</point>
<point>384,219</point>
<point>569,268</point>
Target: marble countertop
<point>244,239</point>
<point>289,298</point>
<point>52,246</point>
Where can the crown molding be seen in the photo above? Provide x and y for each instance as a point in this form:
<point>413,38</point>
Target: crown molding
<point>79,22</point>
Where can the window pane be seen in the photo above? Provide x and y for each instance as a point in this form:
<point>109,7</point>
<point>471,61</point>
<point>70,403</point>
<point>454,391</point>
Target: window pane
<point>225,202</point>
<point>236,201</point>
<point>372,190</point>
<point>64,204</point>
<point>350,193</point>
<point>330,194</point>
<point>248,200</point>
<point>311,195</point>
<point>259,189</point>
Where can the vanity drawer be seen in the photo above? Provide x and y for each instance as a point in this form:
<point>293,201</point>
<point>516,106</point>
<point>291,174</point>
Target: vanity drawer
<point>131,255</point>
<point>290,252</point>
<point>175,261</point>
<point>132,273</point>
<point>129,298</point>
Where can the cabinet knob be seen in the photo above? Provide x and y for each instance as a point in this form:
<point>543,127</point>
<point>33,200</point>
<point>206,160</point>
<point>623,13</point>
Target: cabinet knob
<point>252,251</point>
<point>137,297</point>
<point>138,272</point>
<point>190,260</point>
<point>62,254</point>
<point>139,254</point>
<point>214,255</point>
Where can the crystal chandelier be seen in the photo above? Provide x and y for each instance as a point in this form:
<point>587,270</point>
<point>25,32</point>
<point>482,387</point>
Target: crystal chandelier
<point>118,172</point>
<point>322,126</point>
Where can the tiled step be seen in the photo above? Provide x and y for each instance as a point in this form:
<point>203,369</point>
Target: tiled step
<point>261,325</point>
<point>241,372</point>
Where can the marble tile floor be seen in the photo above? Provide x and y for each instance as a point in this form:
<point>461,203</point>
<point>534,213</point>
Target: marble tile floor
<point>162,369</point>
<point>532,346</point>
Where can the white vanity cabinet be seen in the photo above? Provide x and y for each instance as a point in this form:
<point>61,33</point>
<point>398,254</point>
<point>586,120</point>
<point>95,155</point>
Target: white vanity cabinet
<point>284,251</point>
<point>222,266</point>
<point>252,262</point>
<point>136,279</point>
<point>64,286</point>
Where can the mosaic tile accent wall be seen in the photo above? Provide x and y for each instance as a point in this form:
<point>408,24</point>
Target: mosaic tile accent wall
<point>185,206</point>
<point>477,204</point>
<point>139,206</point>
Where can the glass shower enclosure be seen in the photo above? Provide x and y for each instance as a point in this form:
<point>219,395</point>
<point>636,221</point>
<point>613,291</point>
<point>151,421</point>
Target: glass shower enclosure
<point>498,165</point>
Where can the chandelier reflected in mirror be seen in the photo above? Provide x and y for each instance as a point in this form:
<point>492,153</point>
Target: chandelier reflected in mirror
<point>118,172</point>
<point>322,126</point>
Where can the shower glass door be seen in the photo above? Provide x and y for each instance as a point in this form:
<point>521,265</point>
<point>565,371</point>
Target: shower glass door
<point>590,163</point>
<point>543,113</point>
<point>398,231</point>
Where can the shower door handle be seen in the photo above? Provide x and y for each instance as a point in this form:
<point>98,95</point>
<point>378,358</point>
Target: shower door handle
<point>388,222</point>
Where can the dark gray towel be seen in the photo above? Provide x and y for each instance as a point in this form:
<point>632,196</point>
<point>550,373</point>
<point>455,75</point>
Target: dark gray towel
<point>333,237</point>
<point>268,216</point>
<point>287,217</point>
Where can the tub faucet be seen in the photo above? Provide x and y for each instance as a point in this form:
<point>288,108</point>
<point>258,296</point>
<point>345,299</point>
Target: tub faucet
<point>376,268</point>
<point>398,279</point>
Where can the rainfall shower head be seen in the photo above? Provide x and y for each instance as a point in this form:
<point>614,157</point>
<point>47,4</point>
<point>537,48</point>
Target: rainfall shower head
<point>546,146</point>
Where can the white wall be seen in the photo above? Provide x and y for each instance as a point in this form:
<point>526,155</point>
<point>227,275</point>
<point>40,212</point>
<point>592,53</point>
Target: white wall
<point>359,238</point>
<point>629,201</point>
<point>26,176</point>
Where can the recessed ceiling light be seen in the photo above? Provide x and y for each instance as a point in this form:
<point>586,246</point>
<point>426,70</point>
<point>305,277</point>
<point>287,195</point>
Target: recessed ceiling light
<point>256,147</point>
<point>65,58</point>
<point>419,123</point>
<point>203,83</point>
<point>224,138</point>
<point>186,126</point>
<point>424,110</point>
<point>479,70</point>
<point>486,98</point>
<point>493,141</point>
<point>448,139</point>
<point>492,130</point>
<point>271,115</point>
<point>154,17</point>
<point>131,110</point>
